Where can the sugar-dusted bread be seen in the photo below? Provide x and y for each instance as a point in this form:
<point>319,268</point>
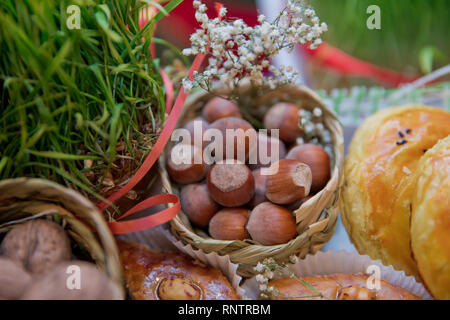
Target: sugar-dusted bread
<point>336,287</point>
<point>430,220</point>
<point>171,276</point>
<point>379,180</point>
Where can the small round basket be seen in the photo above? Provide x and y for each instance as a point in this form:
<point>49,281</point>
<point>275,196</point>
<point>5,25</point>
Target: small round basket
<point>23,199</point>
<point>316,218</point>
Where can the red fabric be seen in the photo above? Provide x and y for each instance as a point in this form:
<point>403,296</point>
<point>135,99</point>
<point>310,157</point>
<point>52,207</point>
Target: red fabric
<point>181,23</point>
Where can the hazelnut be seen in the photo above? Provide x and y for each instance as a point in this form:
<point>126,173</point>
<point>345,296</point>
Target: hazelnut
<point>355,293</point>
<point>72,280</point>
<point>317,159</point>
<point>185,164</point>
<point>197,204</point>
<point>37,245</point>
<point>285,117</point>
<point>270,224</point>
<point>260,189</point>
<point>173,288</point>
<point>241,135</point>
<point>190,126</point>
<point>297,204</point>
<point>229,224</point>
<point>261,156</point>
<point>230,184</point>
<point>289,181</point>
<point>13,279</point>
<point>218,108</point>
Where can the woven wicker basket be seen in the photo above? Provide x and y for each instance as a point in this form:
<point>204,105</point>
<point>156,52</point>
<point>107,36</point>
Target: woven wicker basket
<point>23,199</point>
<point>316,218</point>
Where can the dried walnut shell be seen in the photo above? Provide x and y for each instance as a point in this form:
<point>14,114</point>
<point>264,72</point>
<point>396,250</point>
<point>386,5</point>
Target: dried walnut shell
<point>72,280</point>
<point>37,245</point>
<point>13,279</point>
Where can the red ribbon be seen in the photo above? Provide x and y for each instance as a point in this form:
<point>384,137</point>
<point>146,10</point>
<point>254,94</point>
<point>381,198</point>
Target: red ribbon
<point>120,227</point>
<point>218,6</point>
<point>169,90</point>
<point>134,225</point>
<point>151,221</point>
<point>337,60</point>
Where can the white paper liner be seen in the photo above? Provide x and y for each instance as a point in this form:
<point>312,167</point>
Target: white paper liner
<point>222,263</point>
<point>331,262</point>
<point>159,238</point>
<point>155,238</point>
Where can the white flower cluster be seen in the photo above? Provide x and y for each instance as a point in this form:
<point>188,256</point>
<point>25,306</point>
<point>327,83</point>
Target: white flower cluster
<point>315,132</point>
<point>238,51</point>
<point>266,271</point>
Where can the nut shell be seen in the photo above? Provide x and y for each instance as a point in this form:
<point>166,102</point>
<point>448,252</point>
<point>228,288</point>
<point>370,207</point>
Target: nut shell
<point>243,136</point>
<point>174,288</point>
<point>317,159</point>
<point>37,245</point>
<point>285,117</point>
<point>260,189</point>
<point>218,108</point>
<point>229,224</point>
<point>182,165</point>
<point>230,184</point>
<point>289,182</point>
<point>260,158</point>
<point>270,224</point>
<point>355,292</point>
<point>297,204</point>
<point>197,204</point>
<point>61,283</point>
<point>203,125</point>
<point>13,279</point>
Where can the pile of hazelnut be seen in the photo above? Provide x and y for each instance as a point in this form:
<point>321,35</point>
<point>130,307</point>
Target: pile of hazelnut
<point>233,200</point>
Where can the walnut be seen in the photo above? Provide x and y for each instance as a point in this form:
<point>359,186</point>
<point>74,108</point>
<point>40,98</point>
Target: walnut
<point>72,280</point>
<point>356,293</point>
<point>37,244</point>
<point>173,288</point>
<point>13,279</point>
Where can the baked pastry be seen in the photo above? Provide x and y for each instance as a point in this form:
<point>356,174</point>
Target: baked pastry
<point>379,180</point>
<point>430,220</point>
<point>336,287</point>
<point>171,276</point>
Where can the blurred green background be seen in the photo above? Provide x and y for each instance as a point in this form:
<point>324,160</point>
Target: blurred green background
<point>414,36</point>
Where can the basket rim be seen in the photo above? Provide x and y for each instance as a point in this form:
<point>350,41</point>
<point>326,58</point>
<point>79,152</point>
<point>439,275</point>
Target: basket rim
<point>178,226</point>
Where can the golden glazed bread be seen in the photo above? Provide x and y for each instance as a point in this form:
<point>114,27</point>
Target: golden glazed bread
<point>430,220</point>
<point>379,180</point>
<point>337,287</point>
<point>171,276</point>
